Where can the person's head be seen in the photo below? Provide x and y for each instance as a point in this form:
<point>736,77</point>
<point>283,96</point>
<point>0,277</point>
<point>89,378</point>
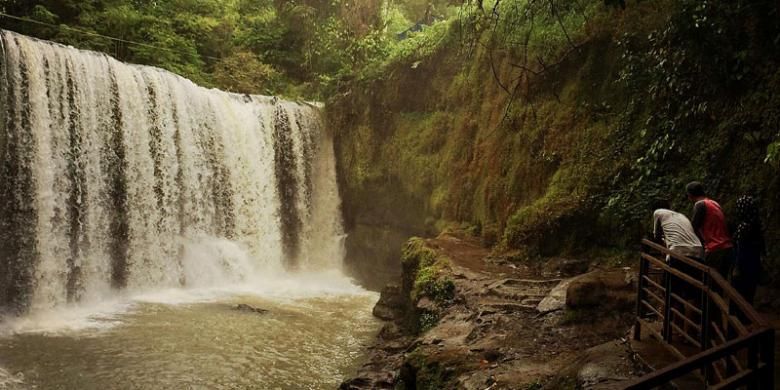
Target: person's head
<point>695,191</point>
<point>660,203</point>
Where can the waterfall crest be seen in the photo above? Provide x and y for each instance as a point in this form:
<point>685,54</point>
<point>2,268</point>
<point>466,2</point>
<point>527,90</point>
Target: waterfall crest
<point>117,176</point>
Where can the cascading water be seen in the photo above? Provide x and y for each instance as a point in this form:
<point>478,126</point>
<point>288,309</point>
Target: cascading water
<point>138,209</point>
<point>122,177</point>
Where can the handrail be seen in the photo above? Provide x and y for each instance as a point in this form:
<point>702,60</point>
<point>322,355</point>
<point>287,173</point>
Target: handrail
<point>716,277</point>
<point>743,352</point>
<point>675,255</point>
<point>661,377</point>
<point>739,300</point>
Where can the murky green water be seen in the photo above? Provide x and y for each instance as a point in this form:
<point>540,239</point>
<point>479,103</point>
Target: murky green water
<point>309,342</point>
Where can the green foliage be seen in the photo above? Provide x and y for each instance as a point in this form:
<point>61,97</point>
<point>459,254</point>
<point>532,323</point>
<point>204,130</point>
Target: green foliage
<point>244,73</point>
<point>427,321</point>
<point>416,10</point>
<point>530,224</point>
<point>395,21</point>
<point>701,85</point>
<point>773,153</point>
<point>545,28</point>
<point>390,52</point>
<point>294,47</point>
<point>40,13</point>
<point>416,252</point>
<point>429,283</point>
<point>427,266</point>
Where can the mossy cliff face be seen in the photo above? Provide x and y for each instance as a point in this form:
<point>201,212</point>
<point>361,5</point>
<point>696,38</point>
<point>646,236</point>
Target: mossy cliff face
<point>571,165</point>
<point>425,289</point>
<point>422,278</point>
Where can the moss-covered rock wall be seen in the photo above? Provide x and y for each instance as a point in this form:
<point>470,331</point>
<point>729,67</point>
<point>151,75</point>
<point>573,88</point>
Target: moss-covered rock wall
<point>572,164</point>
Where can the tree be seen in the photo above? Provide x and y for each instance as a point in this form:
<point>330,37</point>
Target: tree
<point>243,72</point>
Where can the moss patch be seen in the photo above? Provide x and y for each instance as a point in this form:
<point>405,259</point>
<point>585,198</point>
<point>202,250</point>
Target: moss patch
<point>428,278</point>
<point>424,277</point>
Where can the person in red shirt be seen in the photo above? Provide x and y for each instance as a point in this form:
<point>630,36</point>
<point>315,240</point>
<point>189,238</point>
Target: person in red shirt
<point>709,223</point>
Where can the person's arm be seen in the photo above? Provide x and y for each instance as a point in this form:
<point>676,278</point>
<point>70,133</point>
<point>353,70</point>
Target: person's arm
<point>658,231</point>
<point>699,212</point>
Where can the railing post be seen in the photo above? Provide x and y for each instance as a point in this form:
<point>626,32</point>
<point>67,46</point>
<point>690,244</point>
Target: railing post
<point>639,298</point>
<point>667,330</point>
<point>705,320</point>
<point>768,357</point>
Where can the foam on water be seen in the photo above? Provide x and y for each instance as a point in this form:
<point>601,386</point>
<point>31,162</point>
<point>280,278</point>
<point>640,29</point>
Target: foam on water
<point>86,318</point>
<point>217,270</point>
<point>9,381</point>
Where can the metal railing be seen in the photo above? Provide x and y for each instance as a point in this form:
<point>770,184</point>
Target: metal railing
<point>699,317</point>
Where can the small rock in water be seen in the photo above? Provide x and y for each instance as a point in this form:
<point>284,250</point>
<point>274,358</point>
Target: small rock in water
<point>250,309</point>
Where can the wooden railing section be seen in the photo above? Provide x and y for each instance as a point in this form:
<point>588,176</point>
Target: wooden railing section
<point>699,317</point>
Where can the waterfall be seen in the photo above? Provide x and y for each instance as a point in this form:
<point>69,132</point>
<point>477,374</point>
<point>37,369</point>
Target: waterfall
<point>117,176</point>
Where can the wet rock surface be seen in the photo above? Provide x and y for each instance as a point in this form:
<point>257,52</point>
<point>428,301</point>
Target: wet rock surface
<point>507,327</point>
<point>556,299</point>
<point>390,304</point>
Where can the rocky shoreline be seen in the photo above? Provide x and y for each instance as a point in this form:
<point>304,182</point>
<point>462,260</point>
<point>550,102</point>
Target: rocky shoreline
<point>463,319</point>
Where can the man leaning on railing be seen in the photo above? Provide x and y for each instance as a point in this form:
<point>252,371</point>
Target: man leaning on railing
<point>676,232</point>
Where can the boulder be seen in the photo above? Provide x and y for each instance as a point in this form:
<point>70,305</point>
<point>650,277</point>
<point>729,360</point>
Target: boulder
<point>608,289</point>
<point>391,303</point>
<point>556,299</point>
<point>565,267</point>
<point>586,291</point>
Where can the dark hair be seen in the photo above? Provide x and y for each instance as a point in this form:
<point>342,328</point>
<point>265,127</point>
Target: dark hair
<point>660,203</point>
<point>695,188</point>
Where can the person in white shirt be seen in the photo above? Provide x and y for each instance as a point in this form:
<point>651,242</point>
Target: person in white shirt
<point>676,232</point>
